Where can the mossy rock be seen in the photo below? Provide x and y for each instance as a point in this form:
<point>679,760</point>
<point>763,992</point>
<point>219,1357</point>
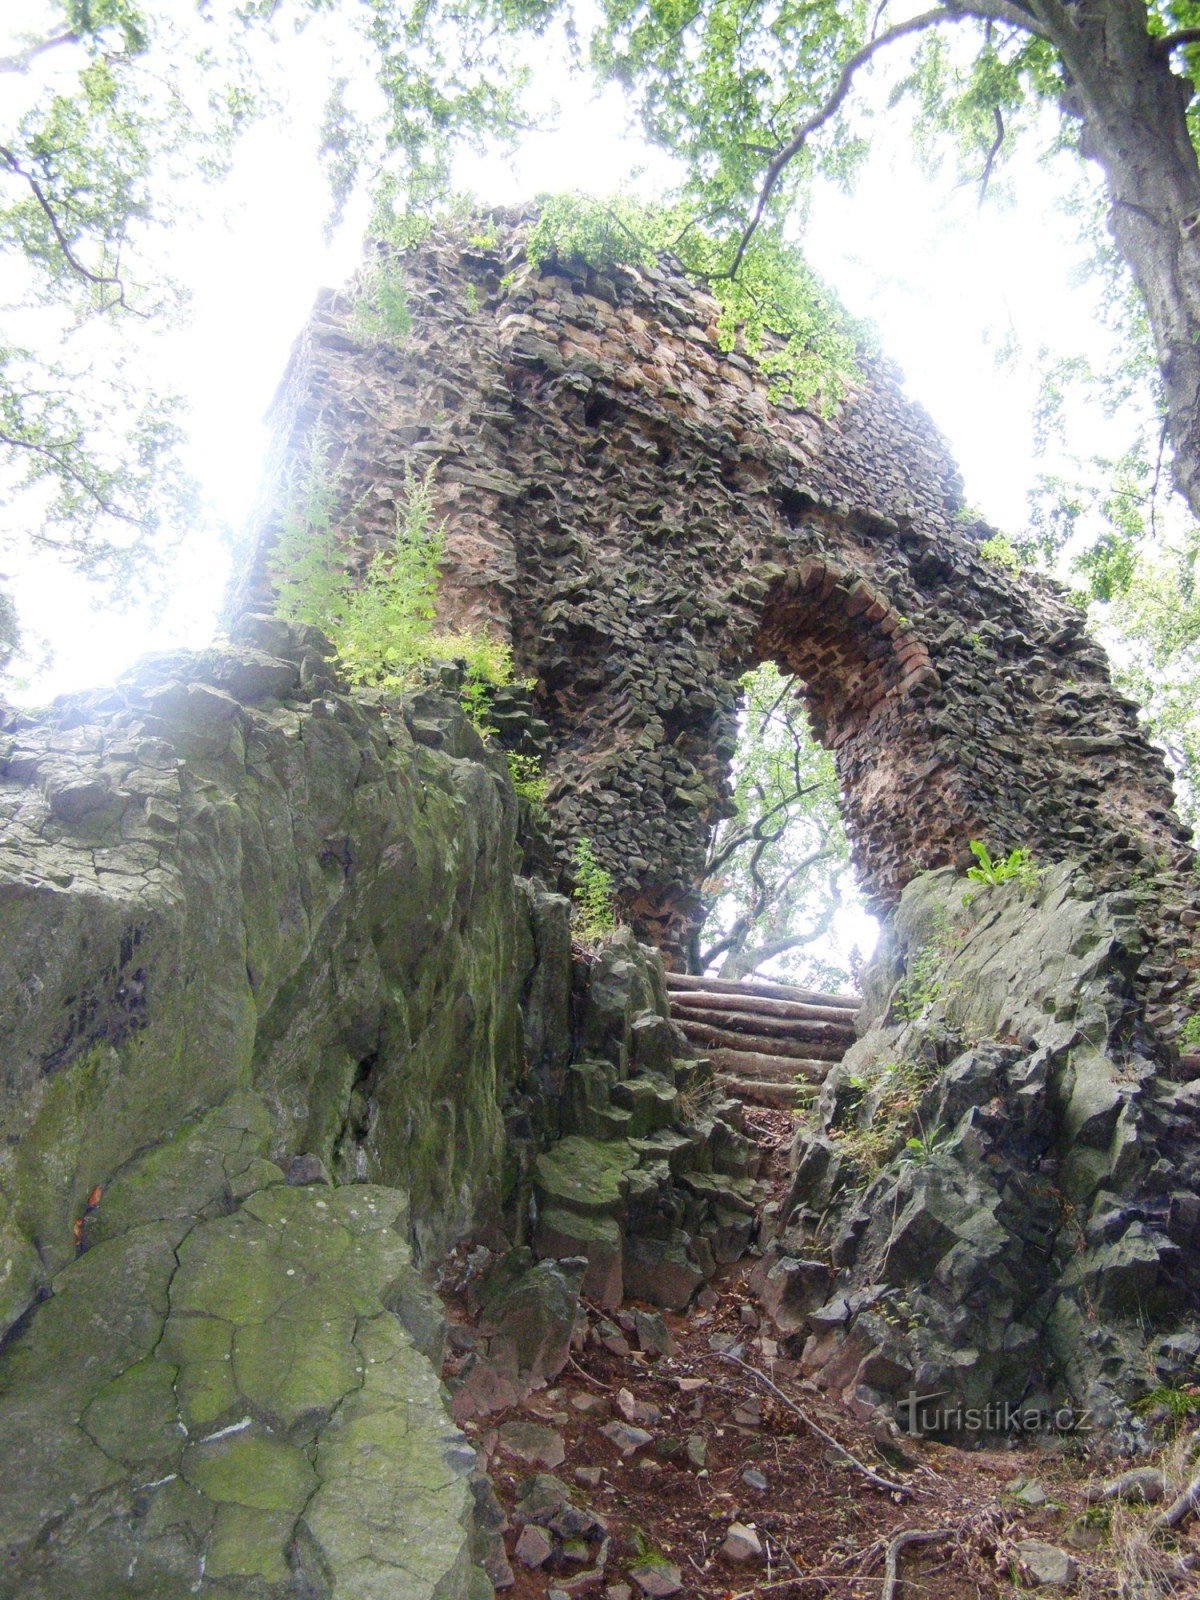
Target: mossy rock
<point>585,1175</point>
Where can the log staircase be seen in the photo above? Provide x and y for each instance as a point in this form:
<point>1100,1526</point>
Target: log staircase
<point>771,1044</point>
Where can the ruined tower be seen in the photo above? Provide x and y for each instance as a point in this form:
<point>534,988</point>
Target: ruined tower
<point>631,508</point>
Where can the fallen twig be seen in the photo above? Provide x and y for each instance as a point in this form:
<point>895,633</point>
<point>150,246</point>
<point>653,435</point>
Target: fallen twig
<point>901,1543</point>
<point>871,1476</point>
<point>1181,1508</point>
<point>808,1577</point>
<point>585,1374</point>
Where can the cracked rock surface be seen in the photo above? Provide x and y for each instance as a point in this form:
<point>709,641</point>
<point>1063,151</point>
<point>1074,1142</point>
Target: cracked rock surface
<point>225,1402</point>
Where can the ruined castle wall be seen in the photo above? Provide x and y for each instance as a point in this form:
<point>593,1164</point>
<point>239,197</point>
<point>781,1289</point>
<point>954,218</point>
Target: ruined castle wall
<point>631,508</point>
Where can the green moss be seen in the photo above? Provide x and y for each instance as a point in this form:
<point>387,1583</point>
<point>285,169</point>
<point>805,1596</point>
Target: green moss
<point>586,1175</point>
<point>133,1417</point>
<point>249,1543</point>
<point>253,1470</point>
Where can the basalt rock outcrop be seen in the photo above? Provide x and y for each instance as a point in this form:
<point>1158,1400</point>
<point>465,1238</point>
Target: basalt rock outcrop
<point>994,1199</point>
<point>279,1024</point>
<point>635,512</point>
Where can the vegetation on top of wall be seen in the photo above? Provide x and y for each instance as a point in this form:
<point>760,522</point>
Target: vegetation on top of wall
<point>1000,551</point>
<point>776,307</point>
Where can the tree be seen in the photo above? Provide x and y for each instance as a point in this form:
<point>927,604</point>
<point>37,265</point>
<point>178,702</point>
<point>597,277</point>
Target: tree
<point>1155,621</point>
<point>752,94</point>
<point>778,869</point>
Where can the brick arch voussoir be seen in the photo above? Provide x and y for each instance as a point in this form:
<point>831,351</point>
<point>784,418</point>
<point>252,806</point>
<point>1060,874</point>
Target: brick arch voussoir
<point>841,636</point>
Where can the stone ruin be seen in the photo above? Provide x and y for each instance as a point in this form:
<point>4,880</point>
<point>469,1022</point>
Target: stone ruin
<point>289,1003</point>
<point>629,509</point>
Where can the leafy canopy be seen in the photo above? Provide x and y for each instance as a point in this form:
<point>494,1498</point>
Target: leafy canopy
<point>113,115</point>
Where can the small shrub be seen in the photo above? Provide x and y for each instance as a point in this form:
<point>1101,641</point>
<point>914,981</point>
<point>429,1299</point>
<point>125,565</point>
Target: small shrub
<point>308,563</point>
<point>594,894</point>
<point>921,984</point>
<point>528,780</point>
<point>699,1099</point>
<point>1180,1403</point>
<point>386,626</point>
<point>1000,551</point>
<point>1016,867</point>
<point>381,314</point>
<point>1189,1034</point>
<point>888,1136</point>
<point>382,628</point>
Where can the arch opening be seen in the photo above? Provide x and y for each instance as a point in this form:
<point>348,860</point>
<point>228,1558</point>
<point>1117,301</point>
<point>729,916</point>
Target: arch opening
<point>779,887</point>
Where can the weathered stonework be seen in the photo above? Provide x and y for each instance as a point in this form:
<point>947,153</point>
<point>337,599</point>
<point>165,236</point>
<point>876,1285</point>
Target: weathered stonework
<point>632,510</point>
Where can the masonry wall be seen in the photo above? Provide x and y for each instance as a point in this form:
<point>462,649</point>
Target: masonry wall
<point>633,511</point>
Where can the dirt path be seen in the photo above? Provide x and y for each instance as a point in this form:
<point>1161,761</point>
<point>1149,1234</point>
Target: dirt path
<point>698,1445</point>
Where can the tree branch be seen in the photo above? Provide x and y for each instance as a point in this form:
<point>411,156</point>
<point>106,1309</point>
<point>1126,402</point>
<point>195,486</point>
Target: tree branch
<point>62,465</point>
<point>900,1543</point>
<point>993,152</point>
<point>1008,11</point>
<point>1173,41</point>
<point>747,835</point>
<point>803,130</point>
<point>755,958</point>
<point>24,59</point>
<point>101,280</point>
<point>888,1484</point>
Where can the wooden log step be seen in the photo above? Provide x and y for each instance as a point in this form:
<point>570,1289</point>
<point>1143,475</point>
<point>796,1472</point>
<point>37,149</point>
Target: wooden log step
<point>782,1027</point>
<point>768,1069</point>
<point>781,1096</point>
<point>703,1033</point>
<point>759,986</point>
<point>692,999</point>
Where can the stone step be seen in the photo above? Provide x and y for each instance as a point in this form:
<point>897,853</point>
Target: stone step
<point>703,1033</point>
<point>786,1096</point>
<point>760,986</point>
<point>768,1068</point>
<point>839,1033</point>
<point>795,1010</point>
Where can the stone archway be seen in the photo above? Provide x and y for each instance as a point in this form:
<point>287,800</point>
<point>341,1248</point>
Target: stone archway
<point>864,675</point>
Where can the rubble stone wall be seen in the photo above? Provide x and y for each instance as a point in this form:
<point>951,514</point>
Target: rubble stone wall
<point>630,507</point>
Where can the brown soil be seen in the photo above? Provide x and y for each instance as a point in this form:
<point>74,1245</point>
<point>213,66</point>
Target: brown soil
<point>824,1529</point>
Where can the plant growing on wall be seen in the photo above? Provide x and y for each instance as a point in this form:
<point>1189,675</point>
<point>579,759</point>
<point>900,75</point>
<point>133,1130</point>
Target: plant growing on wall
<point>1016,867</point>
<point>528,780</point>
<point>380,313</point>
<point>382,627</point>
<point>594,894</point>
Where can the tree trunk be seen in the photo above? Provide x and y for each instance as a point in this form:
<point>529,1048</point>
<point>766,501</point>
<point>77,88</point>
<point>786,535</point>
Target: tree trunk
<point>1133,109</point>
